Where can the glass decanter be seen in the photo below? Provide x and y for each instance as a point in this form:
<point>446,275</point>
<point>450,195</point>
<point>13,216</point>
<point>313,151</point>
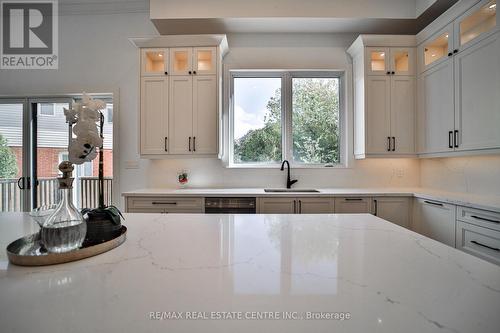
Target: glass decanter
<point>65,229</point>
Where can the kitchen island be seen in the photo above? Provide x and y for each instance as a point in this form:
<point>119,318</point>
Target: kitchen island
<point>253,273</point>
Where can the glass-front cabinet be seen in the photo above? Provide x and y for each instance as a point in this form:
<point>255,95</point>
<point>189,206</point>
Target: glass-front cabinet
<point>377,63</point>
<point>154,62</point>
<point>436,49</point>
<point>205,60</point>
<point>181,61</point>
<point>390,61</point>
<point>477,23</point>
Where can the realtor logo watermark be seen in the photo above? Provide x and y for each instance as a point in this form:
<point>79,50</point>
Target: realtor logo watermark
<point>29,34</point>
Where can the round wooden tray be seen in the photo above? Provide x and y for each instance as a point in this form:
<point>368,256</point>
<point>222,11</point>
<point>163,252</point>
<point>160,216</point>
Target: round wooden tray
<point>27,251</point>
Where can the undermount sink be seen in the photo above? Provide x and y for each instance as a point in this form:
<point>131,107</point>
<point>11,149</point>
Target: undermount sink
<point>294,190</point>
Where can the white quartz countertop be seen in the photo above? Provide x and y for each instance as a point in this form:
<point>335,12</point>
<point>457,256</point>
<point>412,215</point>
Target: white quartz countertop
<point>208,267</point>
<point>462,199</point>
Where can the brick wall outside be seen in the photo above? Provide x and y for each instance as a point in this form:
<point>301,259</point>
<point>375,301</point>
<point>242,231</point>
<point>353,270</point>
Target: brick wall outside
<point>48,159</point>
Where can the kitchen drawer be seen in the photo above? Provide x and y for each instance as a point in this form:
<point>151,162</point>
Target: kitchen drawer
<point>479,217</point>
<point>353,205</point>
<point>481,242</point>
<point>164,204</point>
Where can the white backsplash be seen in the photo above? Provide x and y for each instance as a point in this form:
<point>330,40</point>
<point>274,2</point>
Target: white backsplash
<point>474,174</point>
<point>210,172</point>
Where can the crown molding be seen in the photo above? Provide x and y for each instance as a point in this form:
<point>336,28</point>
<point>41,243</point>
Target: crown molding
<point>95,7</point>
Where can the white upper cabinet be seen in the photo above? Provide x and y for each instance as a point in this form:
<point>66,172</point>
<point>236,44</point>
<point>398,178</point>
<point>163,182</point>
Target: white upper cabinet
<point>154,62</point>
<point>436,49</point>
<point>459,83</point>
<point>384,94</point>
<point>204,59</point>
<point>477,96</point>
<point>205,114</point>
<point>476,24</point>
<point>181,61</point>
<point>436,109</point>
<point>180,91</point>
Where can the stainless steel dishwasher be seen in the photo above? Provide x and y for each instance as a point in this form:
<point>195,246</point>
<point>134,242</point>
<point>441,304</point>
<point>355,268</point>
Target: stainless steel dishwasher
<point>230,206</point>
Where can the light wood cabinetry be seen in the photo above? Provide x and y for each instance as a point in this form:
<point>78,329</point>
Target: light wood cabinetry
<point>302,205</point>
<point>458,84</point>
<point>435,220</point>
<point>353,205</point>
<point>393,209</point>
<point>164,205</point>
<point>384,92</point>
<point>180,95</point>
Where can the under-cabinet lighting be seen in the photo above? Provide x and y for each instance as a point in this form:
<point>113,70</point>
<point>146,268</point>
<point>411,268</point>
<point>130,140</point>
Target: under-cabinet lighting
<point>493,6</point>
<point>446,35</point>
<point>433,55</point>
<point>160,55</point>
<point>382,54</point>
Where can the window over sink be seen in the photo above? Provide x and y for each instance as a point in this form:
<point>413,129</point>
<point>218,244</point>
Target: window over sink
<point>293,115</point>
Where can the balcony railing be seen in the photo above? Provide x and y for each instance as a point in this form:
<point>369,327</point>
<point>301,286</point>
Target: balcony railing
<point>86,193</point>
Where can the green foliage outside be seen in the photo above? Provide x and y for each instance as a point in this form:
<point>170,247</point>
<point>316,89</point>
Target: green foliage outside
<point>8,164</point>
<point>315,126</point>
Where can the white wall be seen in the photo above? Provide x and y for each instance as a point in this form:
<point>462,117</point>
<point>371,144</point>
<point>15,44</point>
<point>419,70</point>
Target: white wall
<point>96,56</point>
<point>474,174</point>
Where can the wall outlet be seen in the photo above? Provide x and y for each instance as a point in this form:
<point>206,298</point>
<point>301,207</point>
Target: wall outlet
<point>399,172</point>
<point>132,164</point>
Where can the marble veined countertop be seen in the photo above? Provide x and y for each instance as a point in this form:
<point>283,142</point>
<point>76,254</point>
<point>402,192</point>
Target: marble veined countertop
<point>462,199</point>
<point>253,273</point>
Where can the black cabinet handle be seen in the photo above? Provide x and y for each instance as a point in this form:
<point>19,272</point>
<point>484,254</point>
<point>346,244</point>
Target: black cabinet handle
<point>486,246</point>
<point>164,203</point>
<point>393,72</point>
<point>189,72</point>
<point>388,73</point>
<point>393,143</point>
<point>300,206</point>
<point>455,138</point>
<point>194,143</point>
<point>433,203</point>
<point>484,219</point>
<point>20,183</point>
<point>194,72</point>
<point>166,73</point>
<point>295,206</point>
<point>450,54</point>
<point>353,199</point>
<point>166,144</point>
<point>455,51</point>
<point>388,143</point>
<point>189,144</point>
<point>450,139</point>
<point>376,206</point>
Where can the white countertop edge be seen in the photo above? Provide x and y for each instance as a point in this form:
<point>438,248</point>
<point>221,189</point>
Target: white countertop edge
<point>460,199</point>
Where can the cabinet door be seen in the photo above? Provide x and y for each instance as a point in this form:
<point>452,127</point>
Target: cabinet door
<point>352,205</point>
<point>205,114</point>
<point>181,115</point>
<point>403,92</point>
<point>477,95</point>
<point>377,62</point>
<point>154,62</point>
<point>181,61</point>
<point>154,115</point>
<point>436,49</point>
<point>378,114</point>
<point>277,205</point>
<point>477,23</point>
<point>402,61</point>
<point>435,220</point>
<point>436,109</point>
<point>205,60</point>
<point>315,205</point>
<point>393,209</point>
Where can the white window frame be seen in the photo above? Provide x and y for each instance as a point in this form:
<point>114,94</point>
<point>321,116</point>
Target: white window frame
<point>286,115</point>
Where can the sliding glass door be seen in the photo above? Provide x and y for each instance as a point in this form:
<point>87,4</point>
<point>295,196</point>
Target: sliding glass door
<point>34,139</point>
<point>13,167</point>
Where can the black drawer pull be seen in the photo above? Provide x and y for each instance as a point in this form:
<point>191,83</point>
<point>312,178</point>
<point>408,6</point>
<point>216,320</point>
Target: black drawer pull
<point>486,246</point>
<point>388,143</point>
<point>353,199</point>
<point>433,203</point>
<point>450,139</point>
<point>164,203</point>
<point>484,219</point>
